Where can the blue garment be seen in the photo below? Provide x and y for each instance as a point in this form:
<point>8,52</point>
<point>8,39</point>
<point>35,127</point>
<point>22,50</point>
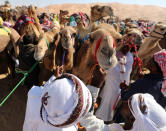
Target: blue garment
<point>151,84</point>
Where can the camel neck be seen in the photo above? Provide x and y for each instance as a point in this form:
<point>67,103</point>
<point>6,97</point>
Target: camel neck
<point>82,32</point>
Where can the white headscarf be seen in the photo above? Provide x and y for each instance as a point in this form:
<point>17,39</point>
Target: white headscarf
<point>65,102</point>
<point>155,117</point>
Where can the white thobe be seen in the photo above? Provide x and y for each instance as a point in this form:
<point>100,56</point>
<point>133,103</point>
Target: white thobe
<point>91,123</point>
<point>33,121</point>
<point>111,89</point>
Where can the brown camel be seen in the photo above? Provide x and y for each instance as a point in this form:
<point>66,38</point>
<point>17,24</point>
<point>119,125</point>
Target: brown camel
<point>54,57</point>
<point>64,17</point>
<point>98,12</point>
<point>64,51</point>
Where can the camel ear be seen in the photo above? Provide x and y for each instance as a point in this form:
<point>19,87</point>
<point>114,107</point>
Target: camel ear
<point>56,39</point>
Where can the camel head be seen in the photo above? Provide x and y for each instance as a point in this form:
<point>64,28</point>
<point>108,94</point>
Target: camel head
<point>46,41</point>
<point>103,48</point>
<point>98,12</point>
<point>151,45</point>
<point>82,20</point>
<point>67,37</point>
<point>135,35</point>
<point>41,48</point>
<point>159,31</point>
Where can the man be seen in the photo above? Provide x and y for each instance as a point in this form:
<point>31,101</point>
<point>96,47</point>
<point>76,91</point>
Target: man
<point>146,113</point>
<point>151,83</point>
<point>57,106</point>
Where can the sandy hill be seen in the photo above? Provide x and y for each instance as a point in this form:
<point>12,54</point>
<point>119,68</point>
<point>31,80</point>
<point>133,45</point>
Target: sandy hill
<point>154,13</point>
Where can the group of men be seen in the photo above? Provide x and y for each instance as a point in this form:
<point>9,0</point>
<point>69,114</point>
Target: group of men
<point>64,101</point>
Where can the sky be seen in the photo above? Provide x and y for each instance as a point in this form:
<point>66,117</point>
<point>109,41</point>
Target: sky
<point>42,3</point>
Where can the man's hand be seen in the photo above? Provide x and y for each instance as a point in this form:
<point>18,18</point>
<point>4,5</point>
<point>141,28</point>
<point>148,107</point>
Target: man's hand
<point>98,77</point>
<point>59,71</point>
<point>123,85</point>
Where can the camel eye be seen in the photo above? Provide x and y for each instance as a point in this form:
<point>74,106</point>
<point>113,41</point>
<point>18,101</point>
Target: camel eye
<point>162,29</point>
<point>99,10</point>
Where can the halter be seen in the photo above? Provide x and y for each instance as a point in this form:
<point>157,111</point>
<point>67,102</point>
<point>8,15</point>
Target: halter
<point>164,35</point>
<point>137,60</point>
<point>47,42</point>
<point>83,39</point>
<point>98,45</point>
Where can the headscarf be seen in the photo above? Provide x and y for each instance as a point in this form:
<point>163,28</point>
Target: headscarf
<point>160,58</point>
<point>153,118</point>
<point>65,101</point>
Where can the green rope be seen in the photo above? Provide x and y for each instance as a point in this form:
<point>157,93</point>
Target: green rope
<point>26,73</point>
<point>48,44</point>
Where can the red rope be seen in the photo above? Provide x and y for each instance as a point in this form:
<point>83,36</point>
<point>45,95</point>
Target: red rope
<point>137,60</point>
<point>98,45</point>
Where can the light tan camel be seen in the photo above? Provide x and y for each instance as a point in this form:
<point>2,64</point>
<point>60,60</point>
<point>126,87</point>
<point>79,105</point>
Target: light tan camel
<point>133,34</point>
<point>149,46</point>
<point>151,43</point>
<point>98,49</point>
<point>116,35</point>
<point>46,41</point>
<point>7,43</point>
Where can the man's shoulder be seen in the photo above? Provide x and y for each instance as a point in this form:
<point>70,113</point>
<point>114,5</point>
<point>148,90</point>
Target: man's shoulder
<point>35,91</point>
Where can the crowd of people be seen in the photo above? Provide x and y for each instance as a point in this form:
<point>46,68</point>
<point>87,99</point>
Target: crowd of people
<point>111,101</point>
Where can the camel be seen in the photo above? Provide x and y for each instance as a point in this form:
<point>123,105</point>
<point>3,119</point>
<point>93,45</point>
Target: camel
<point>117,36</point>
<point>133,34</point>
<point>46,41</point>
<point>63,16</point>
<point>83,28</point>
<point>28,25</point>
<point>149,46</point>
<point>98,49</point>
<point>63,53</point>
<point>98,12</point>
<point>151,43</point>
<point>8,41</point>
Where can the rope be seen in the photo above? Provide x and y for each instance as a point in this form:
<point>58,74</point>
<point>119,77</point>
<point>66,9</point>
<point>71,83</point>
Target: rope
<point>25,73</point>
<point>91,73</point>
<point>47,42</point>
<point>63,57</point>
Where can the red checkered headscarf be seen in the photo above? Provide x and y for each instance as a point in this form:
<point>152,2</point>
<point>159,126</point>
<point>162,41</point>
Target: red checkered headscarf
<point>160,58</point>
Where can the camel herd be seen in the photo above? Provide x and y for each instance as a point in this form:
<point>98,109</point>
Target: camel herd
<point>94,40</point>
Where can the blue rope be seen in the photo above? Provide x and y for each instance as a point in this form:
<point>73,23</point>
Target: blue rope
<point>63,57</point>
